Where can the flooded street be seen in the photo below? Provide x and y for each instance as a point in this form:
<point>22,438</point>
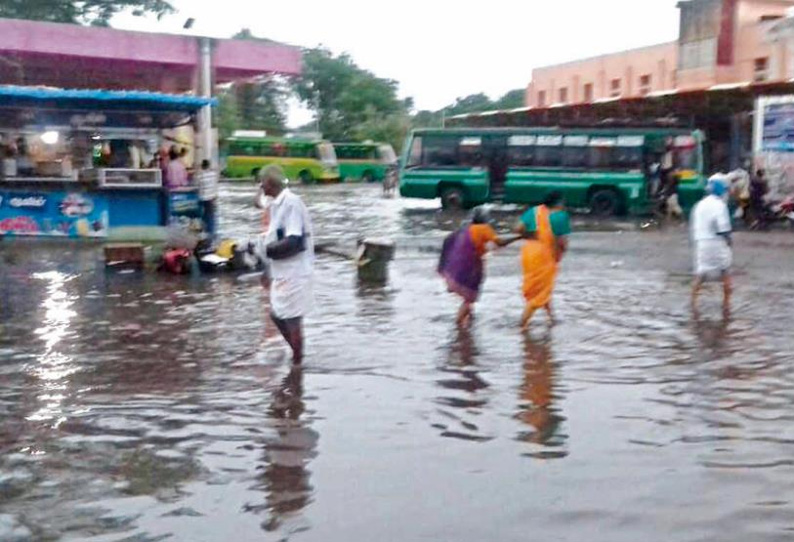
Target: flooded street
<point>142,407</point>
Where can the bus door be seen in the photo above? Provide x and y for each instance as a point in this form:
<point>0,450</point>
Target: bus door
<point>495,158</point>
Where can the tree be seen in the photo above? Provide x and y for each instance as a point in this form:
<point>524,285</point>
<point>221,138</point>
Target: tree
<point>511,100</point>
<point>387,128</point>
<point>473,103</point>
<point>427,119</point>
<point>227,115</point>
<point>346,97</point>
<point>92,12</point>
<point>262,105</point>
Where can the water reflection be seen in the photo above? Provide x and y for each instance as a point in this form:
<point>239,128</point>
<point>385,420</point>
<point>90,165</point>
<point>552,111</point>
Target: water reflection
<point>54,366</point>
<point>712,335</point>
<point>537,408</point>
<point>464,389</point>
<point>285,478</point>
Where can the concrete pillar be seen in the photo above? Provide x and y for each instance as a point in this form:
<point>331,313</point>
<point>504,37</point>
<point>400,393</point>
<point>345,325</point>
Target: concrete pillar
<point>205,140</point>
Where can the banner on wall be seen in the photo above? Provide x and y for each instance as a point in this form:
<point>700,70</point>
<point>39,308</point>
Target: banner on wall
<point>57,214</point>
<point>773,142</point>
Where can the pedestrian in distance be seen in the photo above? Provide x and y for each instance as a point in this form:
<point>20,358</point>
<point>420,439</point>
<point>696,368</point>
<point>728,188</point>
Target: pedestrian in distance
<point>462,265</point>
<point>546,228</point>
<point>207,180</point>
<point>711,236</point>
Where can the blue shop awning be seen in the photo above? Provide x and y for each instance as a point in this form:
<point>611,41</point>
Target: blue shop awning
<point>25,106</point>
<point>101,99</point>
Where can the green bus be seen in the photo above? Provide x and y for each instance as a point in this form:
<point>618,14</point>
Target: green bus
<point>605,170</point>
<point>367,162</point>
<point>307,160</point>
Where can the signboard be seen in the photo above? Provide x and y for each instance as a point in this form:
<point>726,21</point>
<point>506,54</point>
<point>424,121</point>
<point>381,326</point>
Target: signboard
<point>778,127</point>
<point>773,143</point>
<point>58,214</point>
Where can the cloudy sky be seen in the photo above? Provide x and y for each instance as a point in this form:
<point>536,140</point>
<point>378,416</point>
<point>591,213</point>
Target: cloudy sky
<point>437,49</point>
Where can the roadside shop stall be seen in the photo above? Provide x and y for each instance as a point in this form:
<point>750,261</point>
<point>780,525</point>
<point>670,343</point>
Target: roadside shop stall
<point>88,163</point>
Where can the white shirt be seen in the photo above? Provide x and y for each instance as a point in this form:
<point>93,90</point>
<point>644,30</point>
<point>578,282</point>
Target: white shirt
<point>710,218</point>
<point>208,185</point>
<point>290,216</point>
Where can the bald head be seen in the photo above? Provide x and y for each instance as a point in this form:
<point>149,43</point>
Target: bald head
<point>272,179</point>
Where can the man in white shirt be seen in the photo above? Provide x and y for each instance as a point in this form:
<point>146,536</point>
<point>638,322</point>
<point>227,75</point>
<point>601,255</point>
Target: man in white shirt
<point>290,250</point>
<point>208,193</point>
<point>711,234</point>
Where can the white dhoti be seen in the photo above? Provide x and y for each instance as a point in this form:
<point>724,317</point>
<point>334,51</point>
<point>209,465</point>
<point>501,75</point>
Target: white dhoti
<point>713,258</point>
<point>291,297</point>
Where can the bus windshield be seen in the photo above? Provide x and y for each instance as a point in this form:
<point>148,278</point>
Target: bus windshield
<point>387,155</point>
<point>326,154</point>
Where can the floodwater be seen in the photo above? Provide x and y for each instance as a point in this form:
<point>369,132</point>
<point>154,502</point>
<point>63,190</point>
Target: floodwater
<point>138,407</point>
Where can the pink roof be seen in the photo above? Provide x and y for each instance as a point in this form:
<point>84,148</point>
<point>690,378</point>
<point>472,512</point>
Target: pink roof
<point>64,55</point>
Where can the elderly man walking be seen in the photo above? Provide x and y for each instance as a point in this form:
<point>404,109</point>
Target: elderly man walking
<point>711,234</point>
<point>289,248</point>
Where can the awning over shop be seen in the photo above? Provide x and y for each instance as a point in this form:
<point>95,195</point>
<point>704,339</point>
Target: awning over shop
<point>25,106</point>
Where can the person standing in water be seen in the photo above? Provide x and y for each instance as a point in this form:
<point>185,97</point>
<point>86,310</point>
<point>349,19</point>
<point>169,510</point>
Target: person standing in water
<point>289,248</point>
<point>461,262</point>
<point>711,234</point>
<point>208,196</point>
<point>546,228</point>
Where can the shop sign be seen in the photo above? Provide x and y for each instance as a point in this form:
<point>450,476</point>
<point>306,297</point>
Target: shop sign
<point>27,201</point>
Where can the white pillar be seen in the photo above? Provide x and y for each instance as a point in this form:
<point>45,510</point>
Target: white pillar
<point>206,141</point>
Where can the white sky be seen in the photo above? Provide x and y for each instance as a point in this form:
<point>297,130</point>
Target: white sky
<point>438,50</point>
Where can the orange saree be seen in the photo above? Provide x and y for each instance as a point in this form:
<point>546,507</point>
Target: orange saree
<point>539,262</point>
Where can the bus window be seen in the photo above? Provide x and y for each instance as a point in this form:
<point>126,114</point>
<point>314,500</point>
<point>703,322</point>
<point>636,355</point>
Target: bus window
<point>470,152</point>
<point>548,156</point>
<point>628,158</point>
<point>440,151</point>
<point>303,151</point>
<point>574,153</point>
<point>415,154</point>
<point>387,155</point>
<point>521,156</point>
<point>325,152</point>
<point>601,157</point>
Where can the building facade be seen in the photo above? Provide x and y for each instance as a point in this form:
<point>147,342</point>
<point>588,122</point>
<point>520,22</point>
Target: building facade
<point>720,42</point>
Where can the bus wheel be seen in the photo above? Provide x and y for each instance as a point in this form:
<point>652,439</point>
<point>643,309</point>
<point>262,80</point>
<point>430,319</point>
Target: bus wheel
<point>453,199</point>
<point>367,177</point>
<point>306,177</point>
<point>604,202</point>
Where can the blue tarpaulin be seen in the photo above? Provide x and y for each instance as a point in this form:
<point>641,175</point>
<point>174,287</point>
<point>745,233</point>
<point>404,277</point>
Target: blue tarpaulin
<point>111,99</point>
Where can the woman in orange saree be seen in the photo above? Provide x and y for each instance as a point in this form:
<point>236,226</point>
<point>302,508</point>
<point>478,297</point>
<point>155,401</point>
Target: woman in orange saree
<point>546,228</point>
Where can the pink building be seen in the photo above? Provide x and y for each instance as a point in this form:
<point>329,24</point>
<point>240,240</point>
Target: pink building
<point>720,42</point>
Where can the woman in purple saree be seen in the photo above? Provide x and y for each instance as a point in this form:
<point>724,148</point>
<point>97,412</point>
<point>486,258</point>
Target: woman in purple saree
<point>461,262</point>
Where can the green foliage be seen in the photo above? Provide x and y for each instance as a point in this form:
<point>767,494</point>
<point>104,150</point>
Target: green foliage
<point>227,114</point>
<point>512,100</point>
<point>387,128</point>
<point>262,105</point>
<point>92,12</point>
<point>427,119</point>
<point>470,104</point>
<point>347,99</point>
<point>256,105</point>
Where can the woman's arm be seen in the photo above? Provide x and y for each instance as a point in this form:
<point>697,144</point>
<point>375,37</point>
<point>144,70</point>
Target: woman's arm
<point>561,243</point>
<point>507,240</point>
